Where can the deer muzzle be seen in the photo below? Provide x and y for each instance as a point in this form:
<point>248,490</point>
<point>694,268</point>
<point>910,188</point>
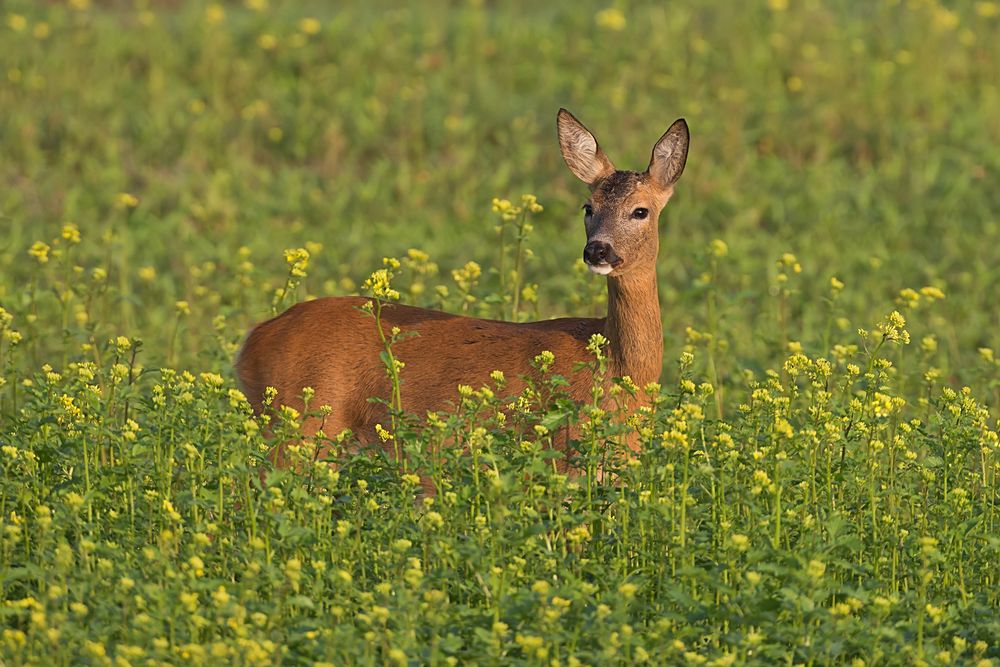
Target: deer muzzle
<point>601,257</point>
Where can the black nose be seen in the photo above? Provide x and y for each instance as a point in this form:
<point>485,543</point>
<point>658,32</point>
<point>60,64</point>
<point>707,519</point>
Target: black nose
<point>599,252</point>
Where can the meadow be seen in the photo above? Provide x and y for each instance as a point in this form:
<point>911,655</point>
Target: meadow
<point>817,482</point>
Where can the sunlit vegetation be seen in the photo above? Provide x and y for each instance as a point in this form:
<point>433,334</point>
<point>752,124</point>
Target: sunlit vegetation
<point>818,467</point>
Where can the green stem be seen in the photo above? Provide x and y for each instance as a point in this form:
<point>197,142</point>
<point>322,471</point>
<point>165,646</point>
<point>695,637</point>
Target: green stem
<point>518,264</point>
<point>713,326</point>
<point>396,397</point>
<point>502,268</point>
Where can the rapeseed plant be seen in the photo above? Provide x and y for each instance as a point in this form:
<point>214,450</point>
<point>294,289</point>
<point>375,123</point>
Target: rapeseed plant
<point>800,492</point>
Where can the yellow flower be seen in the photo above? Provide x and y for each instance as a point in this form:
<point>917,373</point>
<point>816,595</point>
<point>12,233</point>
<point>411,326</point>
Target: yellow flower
<point>196,563</point>
<point>501,205</point>
<point>433,520</point>
<point>182,308</point>
<point>893,328</point>
<point>931,293</point>
<point>628,589</point>
<point>147,274</point>
<point>467,276</point>
<point>544,360</point>
<point>173,514</point>
<point>379,284</point>
<point>935,612</point>
<point>816,569</point>
<point>840,609</point>
<point>944,19</point>
<point>886,405</point>
<point>40,251</point>
<point>215,14</point>
<point>529,642</point>
<point>267,41</point>
<point>220,596</point>
<point>777,5</point>
<point>789,262</point>
<point>417,255</point>
<point>530,202</point>
<point>541,587</point>
<point>42,30</point>
<point>298,261</point>
<point>610,19</point>
<point>73,412</point>
<point>988,10</point>
<point>122,344</point>
<point>126,200</point>
<point>71,232</point>
<point>672,439</point>
<point>309,26</point>
<point>17,22</point>
<point>293,570</point>
<point>719,248</point>
<point>908,298</point>
<point>96,649</point>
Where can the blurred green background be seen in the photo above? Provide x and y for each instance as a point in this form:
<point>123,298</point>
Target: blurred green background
<point>860,136</point>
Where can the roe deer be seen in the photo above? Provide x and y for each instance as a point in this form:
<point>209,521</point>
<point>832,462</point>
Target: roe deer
<point>332,346</point>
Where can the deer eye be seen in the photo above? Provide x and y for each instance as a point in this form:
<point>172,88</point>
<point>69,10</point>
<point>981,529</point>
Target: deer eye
<point>640,213</point>
<point>588,210</point>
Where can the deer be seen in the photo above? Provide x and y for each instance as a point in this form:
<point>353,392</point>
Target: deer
<point>331,344</point>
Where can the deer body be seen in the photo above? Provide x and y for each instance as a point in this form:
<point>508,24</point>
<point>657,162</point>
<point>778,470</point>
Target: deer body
<point>342,345</point>
<point>332,346</point>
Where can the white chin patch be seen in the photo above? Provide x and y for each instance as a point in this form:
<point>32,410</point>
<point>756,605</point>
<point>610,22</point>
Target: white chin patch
<point>601,269</point>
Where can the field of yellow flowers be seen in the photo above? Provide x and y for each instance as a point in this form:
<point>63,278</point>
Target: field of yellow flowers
<point>818,477</point>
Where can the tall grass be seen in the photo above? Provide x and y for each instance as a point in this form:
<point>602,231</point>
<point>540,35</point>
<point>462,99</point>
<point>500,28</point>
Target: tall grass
<point>817,482</point>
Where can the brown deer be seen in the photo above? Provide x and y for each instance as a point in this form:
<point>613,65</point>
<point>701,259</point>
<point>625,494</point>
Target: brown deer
<point>332,346</point>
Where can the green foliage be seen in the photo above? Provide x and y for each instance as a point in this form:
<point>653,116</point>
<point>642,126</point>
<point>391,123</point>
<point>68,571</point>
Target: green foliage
<point>860,140</point>
<point>816,483</point>
<point>819,524</point>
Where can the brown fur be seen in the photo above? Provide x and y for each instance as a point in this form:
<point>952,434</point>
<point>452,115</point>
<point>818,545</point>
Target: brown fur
<point>332,346</point>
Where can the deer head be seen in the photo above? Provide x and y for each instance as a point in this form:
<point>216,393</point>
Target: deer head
<point>624,206</point>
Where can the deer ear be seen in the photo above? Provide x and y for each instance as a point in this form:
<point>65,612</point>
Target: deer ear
<point>580,150</point>
<point>669,155</point>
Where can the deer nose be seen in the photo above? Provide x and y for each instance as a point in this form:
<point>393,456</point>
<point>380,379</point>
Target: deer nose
<point>599,252</point>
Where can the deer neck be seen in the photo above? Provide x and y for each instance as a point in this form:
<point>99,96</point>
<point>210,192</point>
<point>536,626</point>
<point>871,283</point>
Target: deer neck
<point>634,328</point>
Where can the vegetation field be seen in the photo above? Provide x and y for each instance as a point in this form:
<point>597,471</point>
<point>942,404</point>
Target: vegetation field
<point>818,475</point>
